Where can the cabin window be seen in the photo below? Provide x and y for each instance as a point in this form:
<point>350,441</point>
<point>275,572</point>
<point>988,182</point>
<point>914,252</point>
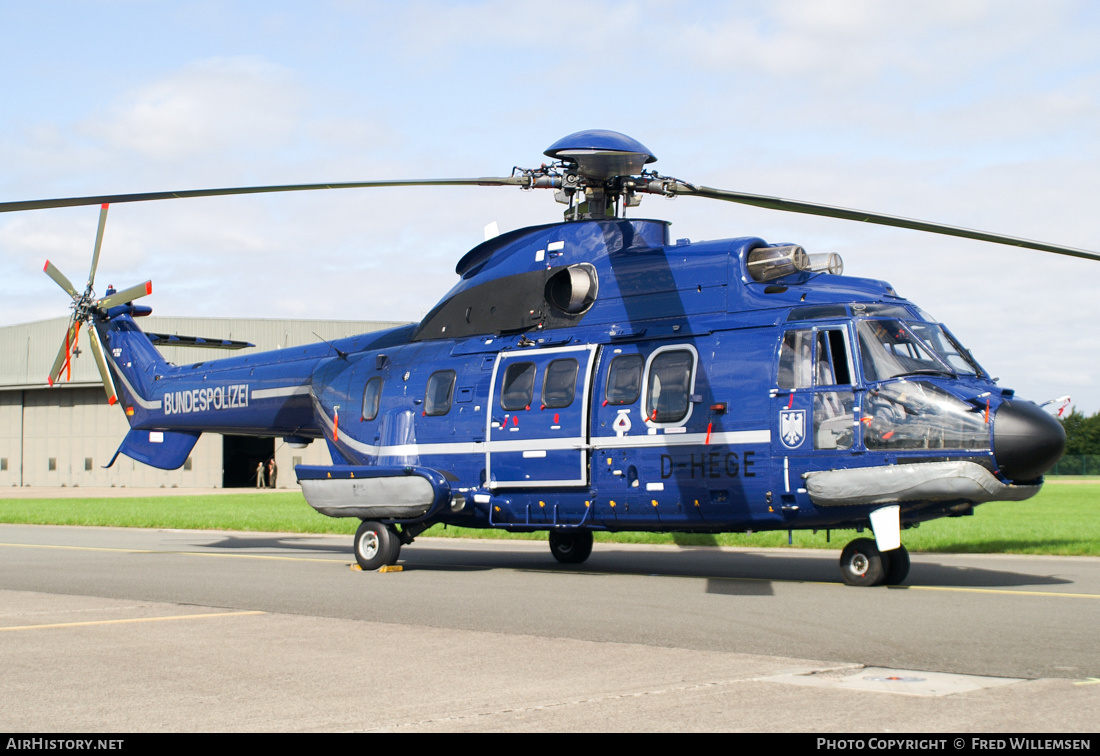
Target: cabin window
<point>372,393</point>
<point>669,387</point>
<point>440,391</point>
<point>559,384</point>
<point>624,379</point>
<point>518,386</point>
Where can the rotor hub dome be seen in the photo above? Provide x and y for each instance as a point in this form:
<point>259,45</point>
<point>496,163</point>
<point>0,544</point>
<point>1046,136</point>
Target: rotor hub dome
<point>601,154</point>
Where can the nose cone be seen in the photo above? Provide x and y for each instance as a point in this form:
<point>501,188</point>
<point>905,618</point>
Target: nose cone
<point>1026,441</point>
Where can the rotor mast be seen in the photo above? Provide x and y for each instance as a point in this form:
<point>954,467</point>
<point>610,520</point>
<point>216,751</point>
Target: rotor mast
<point>597,169</point>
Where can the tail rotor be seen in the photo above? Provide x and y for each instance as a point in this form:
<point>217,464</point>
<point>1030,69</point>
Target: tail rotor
<point>87,309</point>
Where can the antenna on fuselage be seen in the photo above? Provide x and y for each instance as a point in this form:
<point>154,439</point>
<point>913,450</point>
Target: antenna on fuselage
<point>343,355</point>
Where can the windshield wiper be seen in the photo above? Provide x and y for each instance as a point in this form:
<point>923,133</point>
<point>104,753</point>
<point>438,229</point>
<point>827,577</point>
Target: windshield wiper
<point>929,371</point>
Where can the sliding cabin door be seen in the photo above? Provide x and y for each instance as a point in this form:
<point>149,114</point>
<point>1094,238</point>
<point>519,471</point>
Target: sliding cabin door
<point>537,424</point>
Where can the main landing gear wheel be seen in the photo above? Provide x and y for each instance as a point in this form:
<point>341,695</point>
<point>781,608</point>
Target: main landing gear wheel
<point>861,563</point>
<point>571,546</point>
<point>898,566</point>
<point>376,545</point>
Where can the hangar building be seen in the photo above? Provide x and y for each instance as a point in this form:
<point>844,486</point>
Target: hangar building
<point>64,435</point>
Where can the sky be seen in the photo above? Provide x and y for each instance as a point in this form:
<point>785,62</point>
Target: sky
<point>975,113</point>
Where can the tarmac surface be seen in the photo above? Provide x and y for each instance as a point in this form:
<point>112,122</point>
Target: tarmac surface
<point>130,630</point>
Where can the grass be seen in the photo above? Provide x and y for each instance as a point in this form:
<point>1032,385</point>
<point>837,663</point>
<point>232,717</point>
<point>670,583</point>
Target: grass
<point>273,512</point>
<point>1064,519</point>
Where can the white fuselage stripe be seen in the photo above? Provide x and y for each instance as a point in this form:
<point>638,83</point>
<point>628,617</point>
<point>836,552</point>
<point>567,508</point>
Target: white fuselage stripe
<point>730,438</point>
<point>273,393</point>
<point>725,438</point>
<point>138,398</point>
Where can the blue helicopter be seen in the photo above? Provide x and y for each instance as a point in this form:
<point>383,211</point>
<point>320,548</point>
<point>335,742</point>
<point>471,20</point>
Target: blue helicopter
<point>594,375</point>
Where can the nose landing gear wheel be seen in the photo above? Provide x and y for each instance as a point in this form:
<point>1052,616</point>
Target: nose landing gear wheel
<point>376,545</point>
<point>861,563</point>
<point>571,547</point>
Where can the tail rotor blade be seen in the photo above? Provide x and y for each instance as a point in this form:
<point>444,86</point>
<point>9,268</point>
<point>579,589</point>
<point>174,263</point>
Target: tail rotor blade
<point>101,363</point>
<point>98,243</point>
<point>58,364</point>
<point>64,355</point>
<point>59,277</point>
<point>126,295</point>
<point>73,351</point>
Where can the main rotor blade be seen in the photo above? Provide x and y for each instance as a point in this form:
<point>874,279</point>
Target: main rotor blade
<point>52,271</point>
<point>64,354</point>
<point>98,244</point>
<point>9,207</point>
<point>126,295</point>
<point>810,208</point>
<point>101,363</point>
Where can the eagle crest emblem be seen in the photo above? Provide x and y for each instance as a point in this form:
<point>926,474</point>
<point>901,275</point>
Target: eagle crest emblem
<point>792,427</point>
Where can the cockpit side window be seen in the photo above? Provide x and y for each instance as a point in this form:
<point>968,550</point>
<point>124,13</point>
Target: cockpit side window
<point>802,366</point>
<point>831,359</point>
<point>795,360</point>
<point>818,359</point>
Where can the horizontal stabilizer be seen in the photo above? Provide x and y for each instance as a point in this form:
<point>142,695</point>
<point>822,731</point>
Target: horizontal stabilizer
<point>166,450</point>
<point>165,339</point>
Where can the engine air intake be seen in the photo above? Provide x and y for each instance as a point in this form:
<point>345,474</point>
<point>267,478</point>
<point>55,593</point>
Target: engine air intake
<point>573,289</point>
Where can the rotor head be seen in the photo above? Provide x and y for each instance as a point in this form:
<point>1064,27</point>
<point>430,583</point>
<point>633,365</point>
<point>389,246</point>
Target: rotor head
<point>599,155</point>
<point>598,169</point>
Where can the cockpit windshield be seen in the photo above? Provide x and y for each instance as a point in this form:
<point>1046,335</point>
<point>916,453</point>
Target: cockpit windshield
<point>946,347</point>
<point>889,349</point>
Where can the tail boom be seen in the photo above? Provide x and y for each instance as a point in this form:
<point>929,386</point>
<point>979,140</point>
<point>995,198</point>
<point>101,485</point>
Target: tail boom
<point>168,406</point>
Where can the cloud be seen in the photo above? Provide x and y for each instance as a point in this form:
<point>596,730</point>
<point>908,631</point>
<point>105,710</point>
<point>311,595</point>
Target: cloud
<point>207,107</point>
